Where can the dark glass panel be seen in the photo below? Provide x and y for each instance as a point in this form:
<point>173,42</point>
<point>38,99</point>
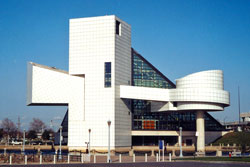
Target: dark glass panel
<point>107,74</point>
<point>117,27</point>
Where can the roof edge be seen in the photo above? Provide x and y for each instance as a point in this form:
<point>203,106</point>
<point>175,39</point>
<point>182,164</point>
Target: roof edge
<point>49,68</point>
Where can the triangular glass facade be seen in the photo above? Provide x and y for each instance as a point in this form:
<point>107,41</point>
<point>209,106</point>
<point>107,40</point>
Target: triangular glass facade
<point>146,75</point>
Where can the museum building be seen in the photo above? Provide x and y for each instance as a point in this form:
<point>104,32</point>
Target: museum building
<point>109,81</point>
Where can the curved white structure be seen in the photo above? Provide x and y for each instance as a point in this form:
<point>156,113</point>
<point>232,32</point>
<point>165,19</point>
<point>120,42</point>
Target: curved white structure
<point>198,91</point>
<point>201,91</point>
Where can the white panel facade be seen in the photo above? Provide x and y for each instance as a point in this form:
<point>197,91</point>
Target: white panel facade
<point>144,93</point>
<point>122,77</point>
<point>93,42</point>
<point>49,86</point>
<point>76,111</point>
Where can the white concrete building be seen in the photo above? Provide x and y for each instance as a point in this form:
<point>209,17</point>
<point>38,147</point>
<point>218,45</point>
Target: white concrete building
<point>108,80</point>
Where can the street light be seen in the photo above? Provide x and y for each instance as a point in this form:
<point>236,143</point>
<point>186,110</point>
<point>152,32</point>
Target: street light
<point>89,141</point>
<point>109,123</point>
<point>24,141</point>
<point>60,151</point>
<point>181,142</point>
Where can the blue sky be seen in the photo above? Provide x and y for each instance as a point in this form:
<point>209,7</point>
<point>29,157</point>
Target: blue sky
<point>177,37</point>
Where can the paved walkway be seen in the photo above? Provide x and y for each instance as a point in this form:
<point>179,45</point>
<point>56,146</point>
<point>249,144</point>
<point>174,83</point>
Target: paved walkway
<point>127,161</point>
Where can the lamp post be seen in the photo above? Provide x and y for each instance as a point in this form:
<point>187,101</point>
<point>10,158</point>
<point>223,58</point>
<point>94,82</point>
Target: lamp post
<point>89,141</point>
<point>60,151</point>
<point>181,142</point>
<point>24,141</point>
<point>109,123</point>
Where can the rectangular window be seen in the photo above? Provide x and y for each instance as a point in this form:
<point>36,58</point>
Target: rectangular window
<point>107,75</point>
<point>118,27</point>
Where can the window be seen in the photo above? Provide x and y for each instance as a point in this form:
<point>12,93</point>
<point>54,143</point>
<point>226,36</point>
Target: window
<point>107,75</point>
<point>118,27</point>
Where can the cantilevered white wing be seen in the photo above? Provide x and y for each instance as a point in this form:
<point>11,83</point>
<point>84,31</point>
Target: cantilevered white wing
<point>50,86</point>
<point>198,91</point>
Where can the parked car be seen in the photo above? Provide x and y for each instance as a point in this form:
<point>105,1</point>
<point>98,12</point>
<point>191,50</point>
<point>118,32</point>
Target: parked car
<point>17,142</point>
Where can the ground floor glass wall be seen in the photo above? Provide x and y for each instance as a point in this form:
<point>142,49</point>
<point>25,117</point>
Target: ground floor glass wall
<point>153,140</point>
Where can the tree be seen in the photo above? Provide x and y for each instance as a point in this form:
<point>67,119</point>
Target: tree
<point>9,127</point>
<point>244,138</point>
<point>37,125</point>
<point>1,133</point>
<point>46,134</point>
<point>31,134</point>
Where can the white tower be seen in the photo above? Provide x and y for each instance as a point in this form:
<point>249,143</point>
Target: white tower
<point>100,50</point>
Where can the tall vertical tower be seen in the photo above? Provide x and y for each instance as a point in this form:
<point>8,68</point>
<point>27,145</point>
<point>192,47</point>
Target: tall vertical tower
<point>100,50</point>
